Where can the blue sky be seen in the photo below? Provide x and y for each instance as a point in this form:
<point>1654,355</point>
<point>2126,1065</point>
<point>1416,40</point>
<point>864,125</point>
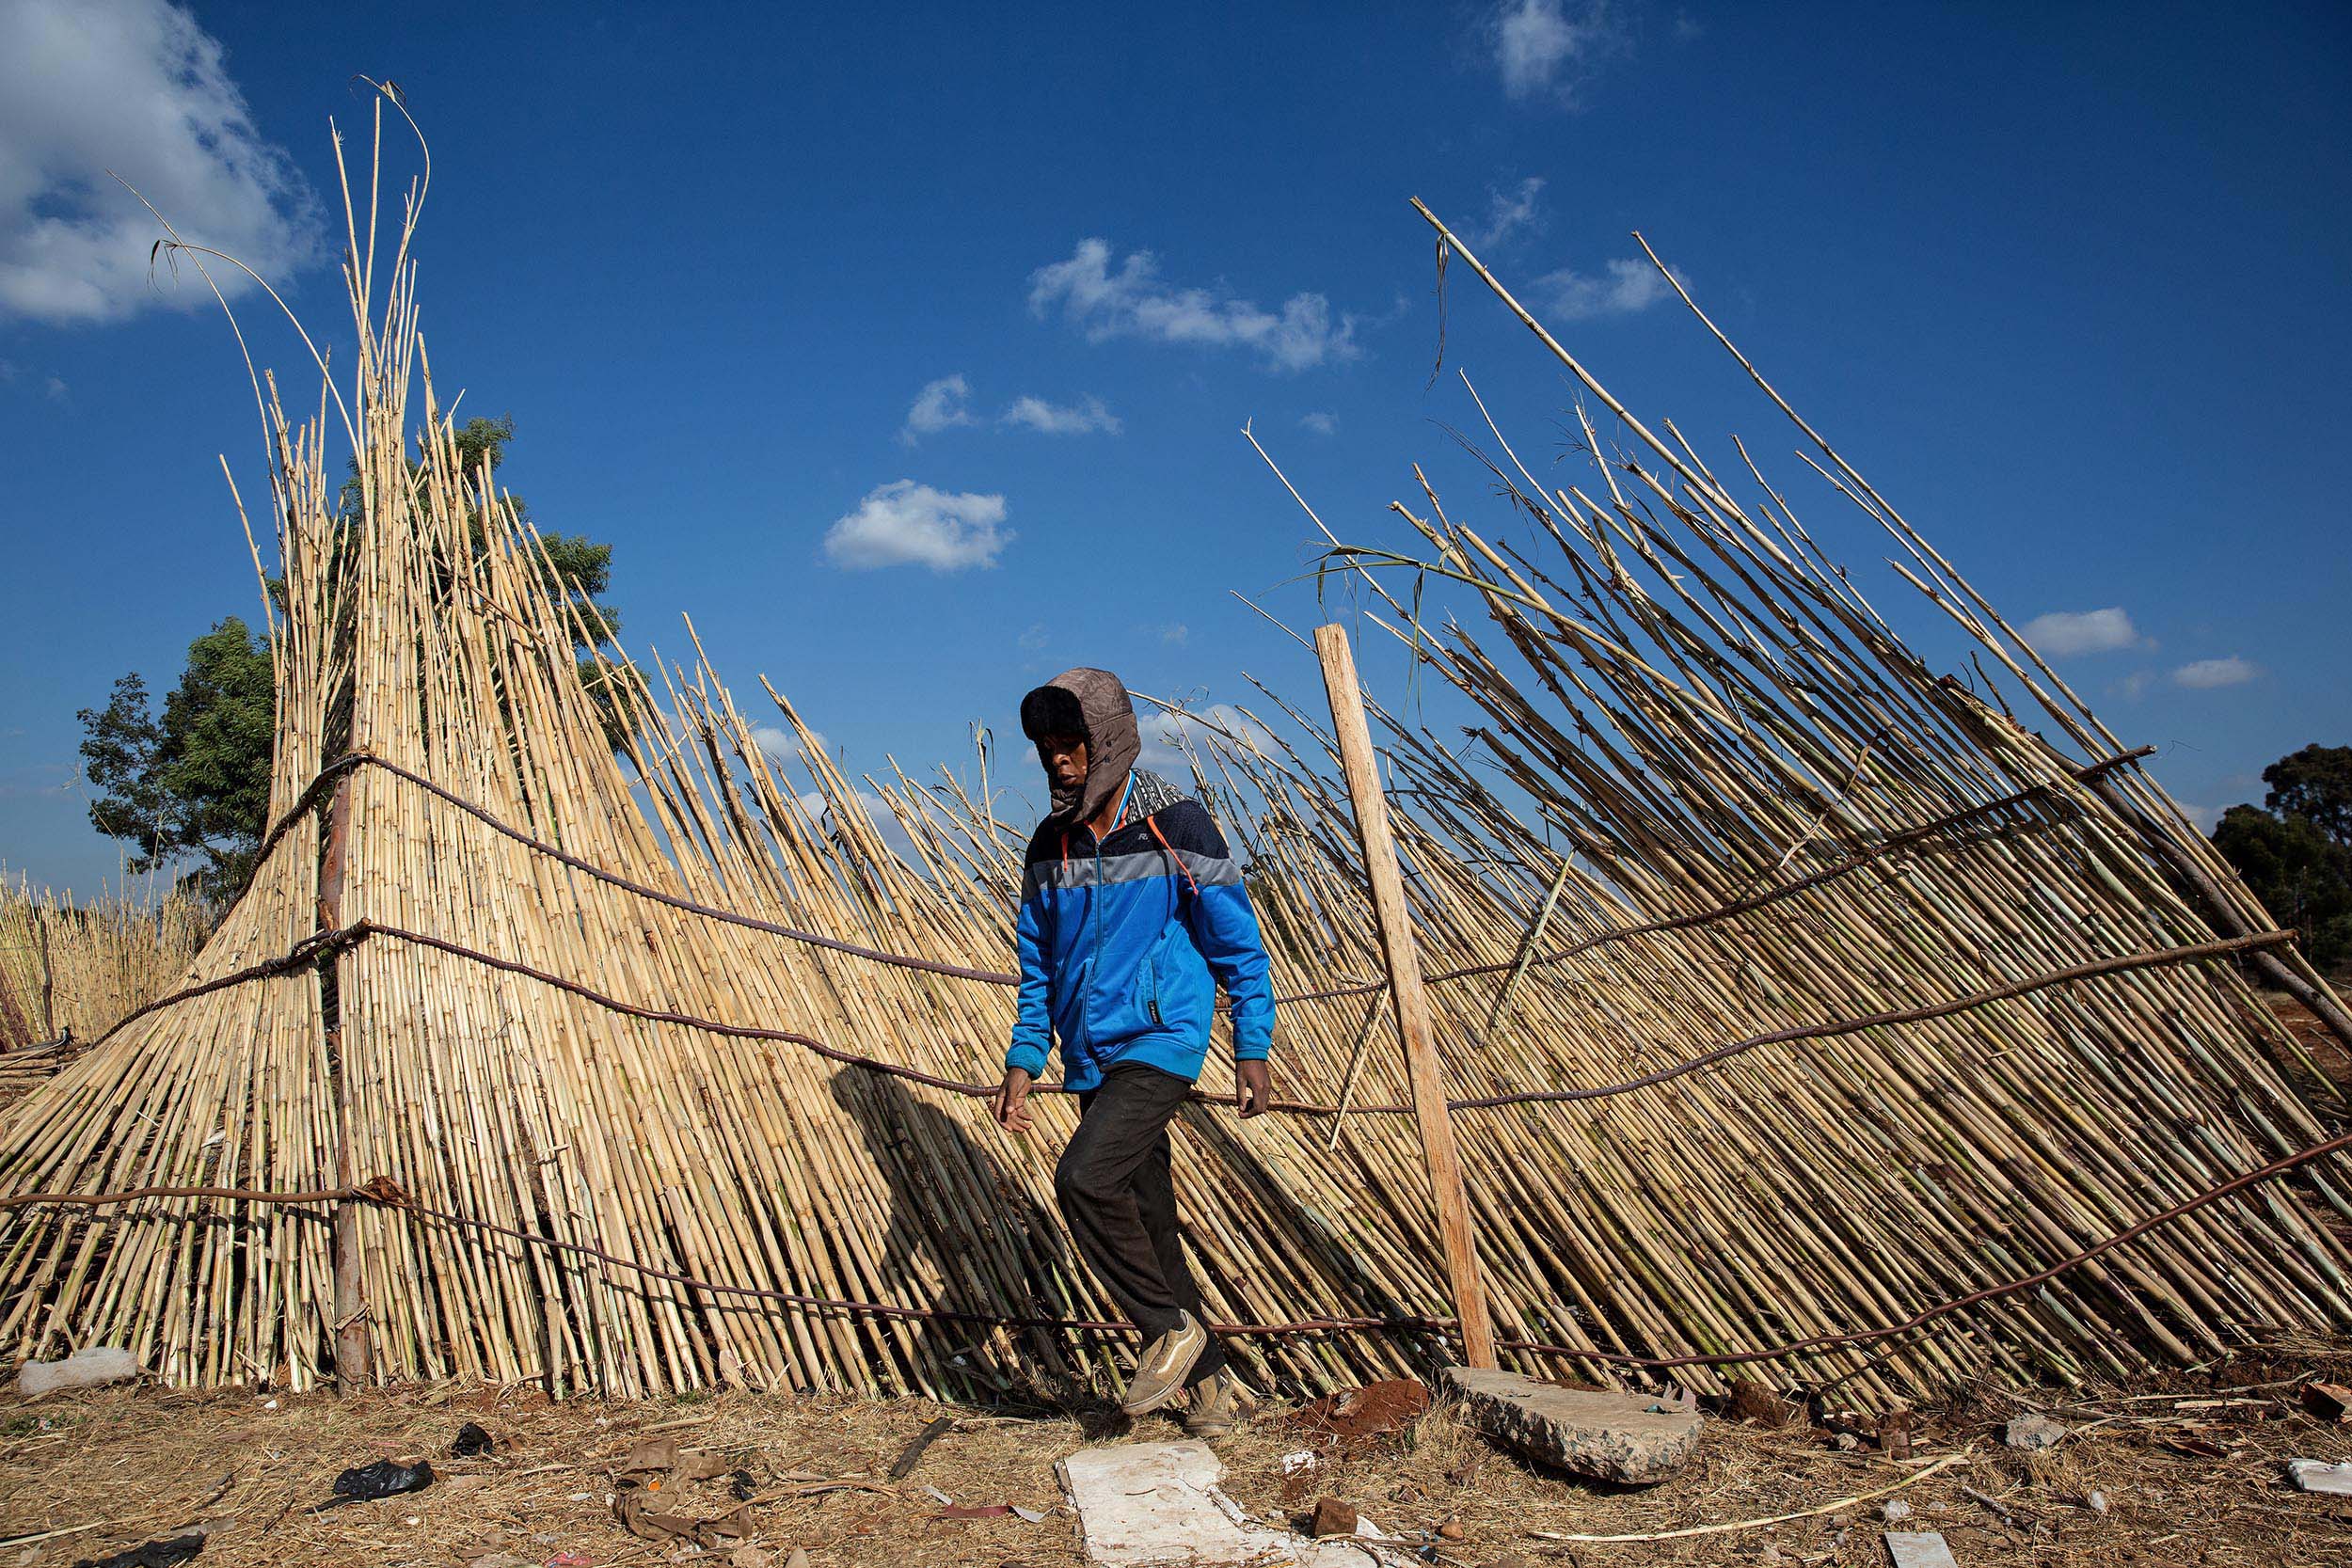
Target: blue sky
<point>909,352</point>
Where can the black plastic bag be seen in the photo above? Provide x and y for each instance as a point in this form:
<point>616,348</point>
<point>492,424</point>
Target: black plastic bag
<point>472,1442</point>
<point>385,1478</point>
<point>156,1554</point>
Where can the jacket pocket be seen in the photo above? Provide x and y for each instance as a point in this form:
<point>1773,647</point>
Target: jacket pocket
<point>1159,980</point>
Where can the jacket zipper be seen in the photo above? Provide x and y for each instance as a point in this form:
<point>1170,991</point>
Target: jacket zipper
<point>1094,915</point>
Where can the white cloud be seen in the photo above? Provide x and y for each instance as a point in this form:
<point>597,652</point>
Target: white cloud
<point>1507,213</point>
<point>2206,673</point>
<point>1048,419</point>
<point>55,390</point>
<point>2062,632</point>
<point>1629,286</point>
<point>1165,735</point>
<point>1034,640</point>
<point>1321,422</point>
<point>2200,817</point>
<point>137,88</point>
<point>1538,43</point>
<point>940,406</point>
<point>7,370</point>
<point>1135,302</point>
<point>906,524</point>
<point>779,744</point>
<point>946,404</point>
<point>1688,28</point>
<point>1176,634</point>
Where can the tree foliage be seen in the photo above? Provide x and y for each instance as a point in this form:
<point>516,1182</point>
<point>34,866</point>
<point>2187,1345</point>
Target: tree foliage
<point>2295,851</point>
<point>194,783</point>
<point>2315,782</point>
<point>577,571</point>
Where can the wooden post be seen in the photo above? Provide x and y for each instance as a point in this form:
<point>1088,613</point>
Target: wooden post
<point>351,1316</point>
<point>1405,993</point>
<point>48,977</point>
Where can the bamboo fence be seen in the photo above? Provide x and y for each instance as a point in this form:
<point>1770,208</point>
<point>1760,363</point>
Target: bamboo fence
<point>1783,990</point>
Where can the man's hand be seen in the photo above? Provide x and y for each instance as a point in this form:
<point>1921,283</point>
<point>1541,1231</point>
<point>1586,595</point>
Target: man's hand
<point>1254,1089</point>
<point>1012,1104</point>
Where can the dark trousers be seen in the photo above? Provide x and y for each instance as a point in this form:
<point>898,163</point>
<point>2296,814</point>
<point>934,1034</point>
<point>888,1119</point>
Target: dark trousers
<point>1120,1200</point>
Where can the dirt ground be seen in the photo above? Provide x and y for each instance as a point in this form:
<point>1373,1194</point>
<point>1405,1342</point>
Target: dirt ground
<point>2190,1470</point>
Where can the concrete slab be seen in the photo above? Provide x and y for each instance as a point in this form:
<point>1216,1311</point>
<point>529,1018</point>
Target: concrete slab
<point>1631,1438</point>
<point>1158,1505</point>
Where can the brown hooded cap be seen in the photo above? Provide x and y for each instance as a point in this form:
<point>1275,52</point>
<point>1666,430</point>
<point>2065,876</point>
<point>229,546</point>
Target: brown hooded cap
<point>1092,703</point>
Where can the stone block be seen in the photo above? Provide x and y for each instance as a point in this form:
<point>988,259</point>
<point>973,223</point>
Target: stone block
<point>1631,1438</point>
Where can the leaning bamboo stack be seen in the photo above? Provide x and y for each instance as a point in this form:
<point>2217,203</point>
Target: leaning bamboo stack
<point>613,1021</point>
<point>74,968</point>
<point>70,971</point>
<point>1760,811</point>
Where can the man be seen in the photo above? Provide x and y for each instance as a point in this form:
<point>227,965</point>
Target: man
<point>1131,911</point>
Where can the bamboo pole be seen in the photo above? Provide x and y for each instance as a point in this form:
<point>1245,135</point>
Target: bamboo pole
<point>1409,1001</point>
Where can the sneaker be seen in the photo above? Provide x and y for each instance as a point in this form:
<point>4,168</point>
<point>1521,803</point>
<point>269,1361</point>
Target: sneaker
<point>1216,1406</point>
<point>1167,1361</point>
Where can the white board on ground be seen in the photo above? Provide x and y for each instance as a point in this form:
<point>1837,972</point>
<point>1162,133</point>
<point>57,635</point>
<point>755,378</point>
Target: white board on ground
<point>2312,1474</point>
<point>1919,1548</point>
<point>1158,1505</point>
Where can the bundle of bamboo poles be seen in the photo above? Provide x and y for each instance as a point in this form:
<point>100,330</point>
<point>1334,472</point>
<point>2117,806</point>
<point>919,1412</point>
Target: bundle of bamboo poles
<point>675,1068</point>
<point>68,970</point>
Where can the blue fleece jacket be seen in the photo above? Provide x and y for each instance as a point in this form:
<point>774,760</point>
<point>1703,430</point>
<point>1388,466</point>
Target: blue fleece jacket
<point>1124,943</point>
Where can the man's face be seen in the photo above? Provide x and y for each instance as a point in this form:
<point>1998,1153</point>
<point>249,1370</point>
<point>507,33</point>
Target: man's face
<point>1065,759</point>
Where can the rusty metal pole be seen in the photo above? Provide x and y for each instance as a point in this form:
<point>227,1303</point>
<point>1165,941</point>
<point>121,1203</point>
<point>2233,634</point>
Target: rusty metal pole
<point>352,1347</point>
<point>1405,993</point>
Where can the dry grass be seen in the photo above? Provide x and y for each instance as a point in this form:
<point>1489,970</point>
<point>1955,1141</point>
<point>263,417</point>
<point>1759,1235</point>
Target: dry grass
<point>2186,1482</point>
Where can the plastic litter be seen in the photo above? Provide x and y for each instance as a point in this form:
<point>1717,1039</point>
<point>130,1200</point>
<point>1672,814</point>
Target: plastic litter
<point>472,1442</point>
<point>658,1460</point>
<point>156,1554</point>
<point>385,1478</point>
<point>646,1525</point>
<point>92,1367</point>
